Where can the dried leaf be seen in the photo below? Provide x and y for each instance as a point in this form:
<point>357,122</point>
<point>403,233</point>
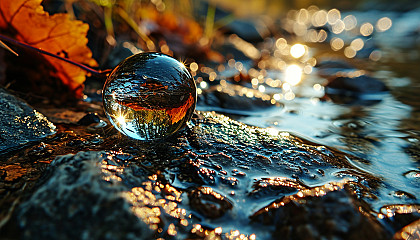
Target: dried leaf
<point>27,22</point>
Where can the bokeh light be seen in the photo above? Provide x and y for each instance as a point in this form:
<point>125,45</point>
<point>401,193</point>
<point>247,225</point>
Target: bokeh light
<point>203,84</point>
<point>303,16</point>
<point>289,96</point>
<point>357,44</point>
<point>384,24</point>
<point>338,27</point>
<point>194,67</point>
<point>293,75</point>
<point>375,55</point>
<point>333,16</point>
<point>319,18</point>
<point>349,52</point>
<point>277,96</point>
<point>307,69</point>
<point>281,43</point>
<point>299,29</point>
<point>322,35</point>
<point>366,29</point>
<point>350,22</point>
<point>317,87</point>
<point>312,35</point>
<point>297,50</point>
<point>336,43</point>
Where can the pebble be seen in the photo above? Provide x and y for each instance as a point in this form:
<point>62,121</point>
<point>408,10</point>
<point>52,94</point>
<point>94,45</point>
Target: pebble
<point>20,124</point>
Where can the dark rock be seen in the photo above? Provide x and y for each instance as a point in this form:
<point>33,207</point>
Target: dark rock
<point>357,85</point>
<point>327,212</point>
<point>83,198</point>
<point>208,202</point>
<point>89,119</point>
<point>213,100</point>
<point>330,67</point>
<point>324,64</point>
<point>232,52</point>
<point>366,52</point>
<point>248,30</point>
<point>368,47</point>
<point>362,90</point>
<point>20,124</point>
<point>398,216</point>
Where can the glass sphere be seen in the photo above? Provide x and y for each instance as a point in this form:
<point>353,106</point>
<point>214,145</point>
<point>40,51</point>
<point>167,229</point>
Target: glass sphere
<point>149,96</point>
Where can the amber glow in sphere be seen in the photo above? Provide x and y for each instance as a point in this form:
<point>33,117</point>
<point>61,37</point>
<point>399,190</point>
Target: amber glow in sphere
<point>149,96</point>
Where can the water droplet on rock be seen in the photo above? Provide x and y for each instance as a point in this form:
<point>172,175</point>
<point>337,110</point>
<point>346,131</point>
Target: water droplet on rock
<point>149,96</point>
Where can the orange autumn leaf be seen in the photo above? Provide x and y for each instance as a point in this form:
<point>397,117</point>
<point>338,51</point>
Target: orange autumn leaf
<point>189,29</point>
<point>174,27</point>
<point>27,22</point>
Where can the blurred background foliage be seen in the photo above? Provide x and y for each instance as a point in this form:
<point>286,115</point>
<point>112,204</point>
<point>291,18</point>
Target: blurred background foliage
<point>187,28</point>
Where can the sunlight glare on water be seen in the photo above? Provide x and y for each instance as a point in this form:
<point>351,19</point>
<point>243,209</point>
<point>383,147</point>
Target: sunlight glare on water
<point>297,50</point>
<point>376,131</point>
<point>293,74</point>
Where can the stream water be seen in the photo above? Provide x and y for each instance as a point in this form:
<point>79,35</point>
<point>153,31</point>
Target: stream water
<point>381,128</point>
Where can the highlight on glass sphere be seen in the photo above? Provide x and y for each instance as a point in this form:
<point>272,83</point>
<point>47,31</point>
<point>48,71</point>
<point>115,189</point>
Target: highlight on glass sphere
<point>149,96</point>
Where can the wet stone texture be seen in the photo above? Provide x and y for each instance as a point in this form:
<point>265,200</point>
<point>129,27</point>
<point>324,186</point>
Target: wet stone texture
<point>329,211</point>
<point>20,124</point>
<point>82,197</point>
<point>236,104</point>
<point>216,179</point>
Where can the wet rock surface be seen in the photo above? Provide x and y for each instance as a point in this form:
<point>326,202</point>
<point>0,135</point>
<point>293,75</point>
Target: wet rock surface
<point>81,198</point>
<point>223,102</point>
<point>356,85</point>
<point>330,211</point>
<point>213,179</point>
<point>20,124</point>
<point>209,203</point>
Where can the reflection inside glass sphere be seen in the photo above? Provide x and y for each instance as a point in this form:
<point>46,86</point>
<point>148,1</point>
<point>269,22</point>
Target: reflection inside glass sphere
<point>149,96</point>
